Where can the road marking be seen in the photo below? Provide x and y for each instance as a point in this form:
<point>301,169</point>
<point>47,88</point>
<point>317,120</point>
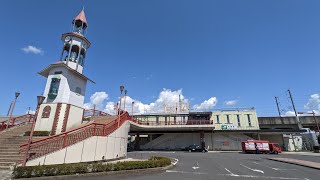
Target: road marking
<point>230,172</point>
<point>175,161</point>
<point>276,169</point>
<point>265,177</point>
<point>196,167</point>
<point>184,172</point>
<point>256,170</point>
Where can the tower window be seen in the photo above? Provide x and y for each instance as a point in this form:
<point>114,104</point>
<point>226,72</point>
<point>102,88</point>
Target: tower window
<point>54,87</point>
<point>46,112</point>
<point>218,119</point>
<point>78,90</point>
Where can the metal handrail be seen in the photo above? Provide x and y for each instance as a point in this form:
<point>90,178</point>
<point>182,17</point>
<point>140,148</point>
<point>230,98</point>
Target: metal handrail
<point>16,121</point>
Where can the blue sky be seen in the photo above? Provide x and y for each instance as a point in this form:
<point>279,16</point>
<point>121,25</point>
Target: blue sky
<point>248,51</point>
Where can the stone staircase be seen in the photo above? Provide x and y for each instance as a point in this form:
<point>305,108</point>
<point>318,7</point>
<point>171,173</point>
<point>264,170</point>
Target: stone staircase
<point>10,142</point>
<point>103,119</point>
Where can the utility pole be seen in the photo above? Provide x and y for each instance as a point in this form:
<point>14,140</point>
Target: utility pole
<point>297,117</point>
<point>277,102</point>
<point>295,111</point>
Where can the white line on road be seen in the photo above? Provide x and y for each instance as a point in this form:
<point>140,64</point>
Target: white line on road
<point>230,172</point>
<point>264,177</point>
<point>196,167</point>
<point>276,169</point>
<point>184,172</point>
<point>175,161</point>
<point>256,170</point>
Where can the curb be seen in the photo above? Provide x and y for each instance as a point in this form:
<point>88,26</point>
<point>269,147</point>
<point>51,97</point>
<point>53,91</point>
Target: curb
<point>134,171</point>
<point>295,163</point>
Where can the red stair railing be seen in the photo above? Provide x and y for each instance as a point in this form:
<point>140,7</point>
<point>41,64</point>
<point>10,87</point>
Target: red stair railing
<point>57,142</point>
<point>16,121</point>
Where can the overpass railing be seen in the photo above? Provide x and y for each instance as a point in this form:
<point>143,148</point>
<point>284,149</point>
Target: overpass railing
<point>186,122</point>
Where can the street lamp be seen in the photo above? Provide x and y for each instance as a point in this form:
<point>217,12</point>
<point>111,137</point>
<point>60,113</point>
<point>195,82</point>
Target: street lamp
<point>119,110</point>
<point>14,103</point>
<point>125,97</point>
<point>40,100</point>
<point>132,108</point>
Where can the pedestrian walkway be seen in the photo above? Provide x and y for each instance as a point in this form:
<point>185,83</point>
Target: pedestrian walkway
<point>310,164</point>
<point>302,153</point>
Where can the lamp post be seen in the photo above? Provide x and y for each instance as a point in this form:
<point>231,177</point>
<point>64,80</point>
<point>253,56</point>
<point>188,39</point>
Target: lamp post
<point>119,110</point>
<point>40,100</point>
<point>125,96</point>
<point>14,103</point>
<point>132,108</point>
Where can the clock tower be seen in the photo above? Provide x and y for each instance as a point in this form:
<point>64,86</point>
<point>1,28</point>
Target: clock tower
<point>66,85</point>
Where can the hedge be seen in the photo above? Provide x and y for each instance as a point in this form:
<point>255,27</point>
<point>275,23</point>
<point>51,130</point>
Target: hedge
<point>38,133</point>
<point>81,168</point>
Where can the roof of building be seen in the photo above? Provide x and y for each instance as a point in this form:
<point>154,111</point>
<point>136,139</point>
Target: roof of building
<point>45,71</point>
<point>82,17</point>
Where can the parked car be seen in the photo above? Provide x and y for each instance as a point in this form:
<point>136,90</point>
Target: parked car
<point>195,148</point>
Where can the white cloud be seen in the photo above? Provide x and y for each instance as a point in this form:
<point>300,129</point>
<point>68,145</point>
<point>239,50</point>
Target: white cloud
<point>98,99</point>
<point>313,102</point>
<point>167,101</point>
<point>231,102</point>
<point>290,113</point>
<point>206,105</point>
<point>33,49</point>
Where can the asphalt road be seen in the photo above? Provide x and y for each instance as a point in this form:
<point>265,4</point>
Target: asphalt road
<point>221,166</point>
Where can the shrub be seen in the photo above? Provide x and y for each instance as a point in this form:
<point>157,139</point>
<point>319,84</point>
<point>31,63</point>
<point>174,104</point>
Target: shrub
<point>67,169</point>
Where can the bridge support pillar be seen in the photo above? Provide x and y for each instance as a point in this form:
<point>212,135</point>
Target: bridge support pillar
<point>202,140</point>
<point>137,142</point>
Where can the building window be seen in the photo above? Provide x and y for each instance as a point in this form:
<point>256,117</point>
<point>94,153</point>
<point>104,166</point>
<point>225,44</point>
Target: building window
<point>175,120</point>
<point>228,118</point>
<point>54,87</point>
<point>78,90</point>
<point>249,120</point>
<point>238,118</point>
<point>218,119</point>
<point>165,120</point>
<point>157,120</point>
<point>58,72</point>
<point>46,112</point>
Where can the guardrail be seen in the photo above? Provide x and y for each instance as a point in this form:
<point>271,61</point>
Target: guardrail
<point>54,143</point>
<point>16,121</point>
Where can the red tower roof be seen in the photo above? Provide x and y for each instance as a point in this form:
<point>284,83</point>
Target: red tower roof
<point>82,17</point>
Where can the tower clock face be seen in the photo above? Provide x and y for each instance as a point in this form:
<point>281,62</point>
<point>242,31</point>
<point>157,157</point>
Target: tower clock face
<point>84,45</point>
<point>67,39</point>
